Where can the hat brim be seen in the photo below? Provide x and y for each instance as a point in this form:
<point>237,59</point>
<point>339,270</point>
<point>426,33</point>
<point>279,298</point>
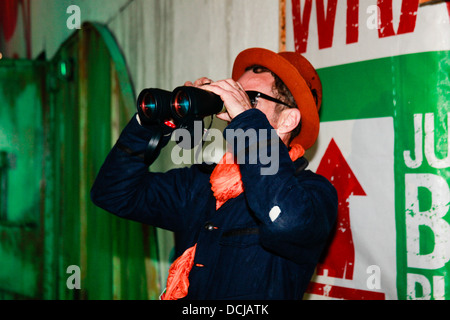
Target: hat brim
<point>293,80</point>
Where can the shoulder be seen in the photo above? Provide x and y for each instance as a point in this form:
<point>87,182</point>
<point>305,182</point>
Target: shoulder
<point>310,176</point>
<point>313,180</point>
<point>302,173</point>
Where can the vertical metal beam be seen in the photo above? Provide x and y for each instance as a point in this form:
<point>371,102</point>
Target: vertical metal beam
<point>282,26</point>
<point>3,185</point>
<point>83,109</point>
<point>115,132</point>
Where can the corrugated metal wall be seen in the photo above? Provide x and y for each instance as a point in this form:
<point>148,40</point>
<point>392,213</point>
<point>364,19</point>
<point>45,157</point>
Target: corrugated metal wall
<point>22,162</point>
<point>165,43</point>
<point>59,120</point>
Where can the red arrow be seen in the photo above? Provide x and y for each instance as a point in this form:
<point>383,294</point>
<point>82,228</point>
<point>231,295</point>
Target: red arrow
<point>339,292</point>
<point>339,258</point>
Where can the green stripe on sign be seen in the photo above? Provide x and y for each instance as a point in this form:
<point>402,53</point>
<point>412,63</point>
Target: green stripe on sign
<point>375,88</point>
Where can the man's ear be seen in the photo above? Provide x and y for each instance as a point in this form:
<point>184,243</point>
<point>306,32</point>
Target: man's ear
<point>288,120</point>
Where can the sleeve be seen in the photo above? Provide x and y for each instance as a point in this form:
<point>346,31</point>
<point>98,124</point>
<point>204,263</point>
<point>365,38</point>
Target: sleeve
<point>295,212</point>
<point>125,187</point>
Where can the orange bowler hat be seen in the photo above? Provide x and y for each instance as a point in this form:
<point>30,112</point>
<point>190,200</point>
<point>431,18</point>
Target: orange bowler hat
<point>301,79</point>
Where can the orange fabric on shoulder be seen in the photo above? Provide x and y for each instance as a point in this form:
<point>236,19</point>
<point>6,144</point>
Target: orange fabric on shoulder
<point>226,179</point>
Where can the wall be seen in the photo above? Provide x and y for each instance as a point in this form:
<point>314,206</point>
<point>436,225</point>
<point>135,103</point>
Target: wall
<point>384,65</point>
<point>187,36</point>
<point>165,43</point>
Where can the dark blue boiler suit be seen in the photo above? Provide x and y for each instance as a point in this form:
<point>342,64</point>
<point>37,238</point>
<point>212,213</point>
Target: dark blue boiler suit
<point>242,252</point>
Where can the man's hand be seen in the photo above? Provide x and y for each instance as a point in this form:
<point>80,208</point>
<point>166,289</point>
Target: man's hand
<point>198,83</point>
<point>232,93</point>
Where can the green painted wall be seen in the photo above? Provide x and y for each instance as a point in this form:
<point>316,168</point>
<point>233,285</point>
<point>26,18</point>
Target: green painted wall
<point>21,172</point>
<point>58,121</point>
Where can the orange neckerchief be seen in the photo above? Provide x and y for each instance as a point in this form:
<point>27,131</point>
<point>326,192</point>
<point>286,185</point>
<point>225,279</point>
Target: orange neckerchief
<point>226,180</point>
<point>178,279</point>
<point>226,184</point>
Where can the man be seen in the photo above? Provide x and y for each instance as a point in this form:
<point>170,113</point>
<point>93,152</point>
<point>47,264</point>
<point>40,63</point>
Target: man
<point>239,234</point>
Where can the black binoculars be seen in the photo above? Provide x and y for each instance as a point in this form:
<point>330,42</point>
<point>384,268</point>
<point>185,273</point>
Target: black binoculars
<point>163,111</point>
<point>183,105</point>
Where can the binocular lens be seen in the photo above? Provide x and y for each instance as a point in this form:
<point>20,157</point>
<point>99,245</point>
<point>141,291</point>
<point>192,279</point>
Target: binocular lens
<point>181,104</point>
<point>148,105</point>
<point>152,105</point>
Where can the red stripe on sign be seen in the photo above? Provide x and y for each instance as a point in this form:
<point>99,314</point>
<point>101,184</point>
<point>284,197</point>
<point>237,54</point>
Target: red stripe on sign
<point>342,292</point>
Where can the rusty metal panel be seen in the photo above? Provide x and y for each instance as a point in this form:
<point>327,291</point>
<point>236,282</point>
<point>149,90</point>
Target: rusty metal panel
<point>58,121</point>
<point>113,254</point>
<point>21,174</point>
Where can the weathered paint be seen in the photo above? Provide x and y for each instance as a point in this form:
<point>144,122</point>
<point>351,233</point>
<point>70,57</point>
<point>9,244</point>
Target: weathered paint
<point>70,123</point>
<point>21,142</point>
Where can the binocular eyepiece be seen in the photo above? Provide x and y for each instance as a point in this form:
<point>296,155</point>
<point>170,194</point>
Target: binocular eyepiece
<point>183,105</point>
